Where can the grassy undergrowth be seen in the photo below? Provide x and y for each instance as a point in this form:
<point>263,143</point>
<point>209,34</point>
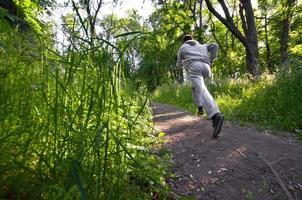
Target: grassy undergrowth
<point>272,101</point>
<point>70,128</point>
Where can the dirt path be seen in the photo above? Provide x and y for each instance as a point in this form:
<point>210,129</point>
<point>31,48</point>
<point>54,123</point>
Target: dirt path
<point>243,163</point>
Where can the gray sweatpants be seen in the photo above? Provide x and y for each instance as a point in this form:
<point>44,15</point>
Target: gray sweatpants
<point>197,73</point>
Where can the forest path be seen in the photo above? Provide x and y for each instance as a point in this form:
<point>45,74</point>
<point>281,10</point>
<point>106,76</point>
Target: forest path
<point>243,163</point>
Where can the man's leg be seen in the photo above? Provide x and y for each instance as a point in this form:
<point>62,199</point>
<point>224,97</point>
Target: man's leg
<point>210,105</point>
<point>200,110</point>
<point>203,96</point>
<point>217,121</point>
<point>197,101</point>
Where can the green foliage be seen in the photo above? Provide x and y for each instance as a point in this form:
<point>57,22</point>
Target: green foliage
<point>272,101</point>
<point>70,127</point>
<point>158,50</point>
<point>229,62</point>
<point>31,11</point>
<point>176,95</point>
<point>172,19</point>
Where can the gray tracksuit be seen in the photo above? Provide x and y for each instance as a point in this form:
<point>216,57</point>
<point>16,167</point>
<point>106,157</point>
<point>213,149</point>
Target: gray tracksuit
<point>196,58</point>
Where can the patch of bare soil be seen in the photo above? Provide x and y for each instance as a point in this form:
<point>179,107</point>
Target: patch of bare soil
<point>243,163</point>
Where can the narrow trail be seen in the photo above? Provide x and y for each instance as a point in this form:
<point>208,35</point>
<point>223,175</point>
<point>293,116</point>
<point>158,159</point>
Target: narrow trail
<point>243,163</point>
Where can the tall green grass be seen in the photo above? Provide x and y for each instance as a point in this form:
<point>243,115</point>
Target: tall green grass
<point>272,101</point>
<point>69,128</point>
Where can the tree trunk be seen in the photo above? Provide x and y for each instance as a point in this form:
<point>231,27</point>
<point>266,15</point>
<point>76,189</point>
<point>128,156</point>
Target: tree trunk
<point>267,46</point>
<point>249,28</point>
<point>195,6</point>
<point>252,58</point>
<point>180,78</point>
<point>249,38</point>
<point>14,10</point>
<point>286,23</point>
<point>284,40</point>
<point>200,32</point>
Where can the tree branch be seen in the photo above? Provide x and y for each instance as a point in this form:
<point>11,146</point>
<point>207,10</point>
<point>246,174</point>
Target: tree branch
<point>278,178</point>
<point>225,10</point>
<point>80,18</point>
<point>97,11</point>
<point>215,37</point>
<point>243,21</point>
<point>229,24</point>
<point>250,22</point>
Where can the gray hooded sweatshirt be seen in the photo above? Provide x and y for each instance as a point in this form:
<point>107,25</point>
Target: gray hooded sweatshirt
<point>192,51</point>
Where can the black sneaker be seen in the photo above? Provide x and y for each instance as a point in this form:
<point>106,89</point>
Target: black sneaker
<point>200,111</point>
<point>217,121</point>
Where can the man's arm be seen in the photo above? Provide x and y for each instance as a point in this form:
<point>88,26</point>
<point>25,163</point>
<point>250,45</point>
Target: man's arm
<point>212,49</point>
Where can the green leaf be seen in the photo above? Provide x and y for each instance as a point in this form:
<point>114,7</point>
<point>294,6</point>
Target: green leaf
<point>161,134</point>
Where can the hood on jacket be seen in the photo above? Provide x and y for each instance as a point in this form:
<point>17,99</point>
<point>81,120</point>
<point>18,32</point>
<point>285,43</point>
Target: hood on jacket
<point>191,42</point>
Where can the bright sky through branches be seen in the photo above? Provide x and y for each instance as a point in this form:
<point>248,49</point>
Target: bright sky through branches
<point>144,8</point>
